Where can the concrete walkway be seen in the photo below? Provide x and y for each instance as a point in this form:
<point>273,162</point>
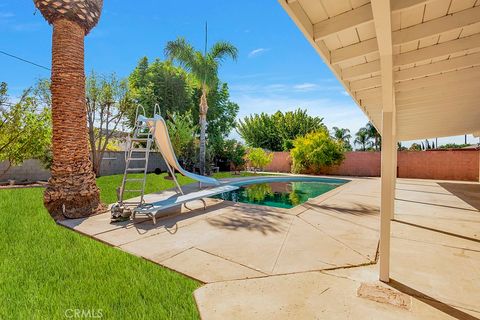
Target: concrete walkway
<point>318,260</point>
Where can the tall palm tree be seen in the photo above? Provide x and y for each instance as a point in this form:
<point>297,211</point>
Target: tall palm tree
<point>342,134</point>
<point>374,134</point>
<point>72,190</point>
<point>204,68</point>
<point>362,139</point>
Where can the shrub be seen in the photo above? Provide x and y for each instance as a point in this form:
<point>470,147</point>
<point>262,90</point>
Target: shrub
<point>259,158</point>
<point>276,132</point>
<point>235,153</point>
<point>315,151</point>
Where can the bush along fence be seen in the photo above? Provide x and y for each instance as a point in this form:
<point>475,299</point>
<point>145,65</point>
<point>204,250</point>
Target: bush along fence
<point>113,163</point>
<point>462,164</point>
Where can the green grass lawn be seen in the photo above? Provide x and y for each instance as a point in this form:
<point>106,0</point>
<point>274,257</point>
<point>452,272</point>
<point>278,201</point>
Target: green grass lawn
<point>46,271</point>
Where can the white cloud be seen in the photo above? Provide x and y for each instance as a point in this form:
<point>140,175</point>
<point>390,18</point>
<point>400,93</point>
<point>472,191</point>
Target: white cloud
<point>257,52</point>
<point>305,86</point>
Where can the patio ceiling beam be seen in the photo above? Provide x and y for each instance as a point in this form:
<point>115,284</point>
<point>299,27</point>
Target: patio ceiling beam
<point>408,133</point>
<point>467,74</point>
<point>433,27</point>
<point>444,92</point>
<point>383,28</point>
<point>424,54</point>
<point>444,89</point>
<point>357,17</point>
<point>416,126</point>
<point>345,21</point>
<point>367,83</point>
<point>438,50</point>
<point>438,67</point>
<point>449,65</point>
<point>420,31</point>
<point>414,104</point>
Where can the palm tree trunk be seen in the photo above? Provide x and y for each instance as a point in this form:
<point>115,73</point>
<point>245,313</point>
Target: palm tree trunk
<point>203,129</point>
<point>71,190</point>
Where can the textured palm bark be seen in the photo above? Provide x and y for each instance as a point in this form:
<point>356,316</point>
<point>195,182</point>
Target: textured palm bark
<point>72,190</point>
<point>203,129</point>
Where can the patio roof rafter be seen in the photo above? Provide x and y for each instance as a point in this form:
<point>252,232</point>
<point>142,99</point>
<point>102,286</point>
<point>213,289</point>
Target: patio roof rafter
<point>417,32</point>
<point>424,54</point>
<point>421,71</point>
<point>356,17</point>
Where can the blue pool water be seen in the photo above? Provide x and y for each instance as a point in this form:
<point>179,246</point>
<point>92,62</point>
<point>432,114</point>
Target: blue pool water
<point>280,192</point>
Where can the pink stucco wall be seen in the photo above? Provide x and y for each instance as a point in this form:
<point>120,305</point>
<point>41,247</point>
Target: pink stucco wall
<point>441,165</point>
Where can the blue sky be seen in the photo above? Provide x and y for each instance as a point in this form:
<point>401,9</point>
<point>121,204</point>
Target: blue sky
<point>277,68</point>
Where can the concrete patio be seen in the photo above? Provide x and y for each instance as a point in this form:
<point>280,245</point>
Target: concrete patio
<point>318,260</point>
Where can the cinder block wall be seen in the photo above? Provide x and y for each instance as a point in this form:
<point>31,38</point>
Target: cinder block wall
<point>30,170</point>
<point>440,165</point>
<point>281,162</point>
<point>365,164</point>
<point>462,164</point>
<point>113,163</point>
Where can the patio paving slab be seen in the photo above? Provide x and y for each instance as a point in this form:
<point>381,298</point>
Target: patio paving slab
<point>209,268</point>
<point>311,295</point>
<point>359,238</point>
<point>307,248</point>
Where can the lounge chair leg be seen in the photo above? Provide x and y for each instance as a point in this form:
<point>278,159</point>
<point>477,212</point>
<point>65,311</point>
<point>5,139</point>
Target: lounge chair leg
<point>154,219</point>
<point>204,204</point>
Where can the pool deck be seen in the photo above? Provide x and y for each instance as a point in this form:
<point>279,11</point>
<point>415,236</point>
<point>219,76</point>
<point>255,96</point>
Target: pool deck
<point>318,260</point>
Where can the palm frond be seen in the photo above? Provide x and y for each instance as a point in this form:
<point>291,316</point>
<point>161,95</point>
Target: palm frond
<point>222,50</point>
<point>182,52</point>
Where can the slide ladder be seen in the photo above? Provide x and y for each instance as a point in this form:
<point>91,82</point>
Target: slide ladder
<point>133,183</point>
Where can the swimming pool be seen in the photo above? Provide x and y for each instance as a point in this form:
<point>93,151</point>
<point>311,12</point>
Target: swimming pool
<point>282,192</point>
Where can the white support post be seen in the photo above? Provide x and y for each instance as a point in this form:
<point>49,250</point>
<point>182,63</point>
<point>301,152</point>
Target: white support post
<point>387,192</point>
<point>383,28</point>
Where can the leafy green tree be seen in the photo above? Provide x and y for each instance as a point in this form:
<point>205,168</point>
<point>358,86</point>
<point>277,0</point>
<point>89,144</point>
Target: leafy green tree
<point>362,139</point>
<point>108,101</point>
<point>260,131</point>
<point>315,151</point>
<point>182,132</point>
<point>453,146</point>
<point>259,158</point>
<point>400,147</point>
<point>375,135</point>
<point>343,135</point>
<point>203,67</point>
<point>277,131</point>
<point>162,83</point>
<point>233,152</point>
<point>415,147</point>
<point>221,116</point>
<point>25,128</point>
